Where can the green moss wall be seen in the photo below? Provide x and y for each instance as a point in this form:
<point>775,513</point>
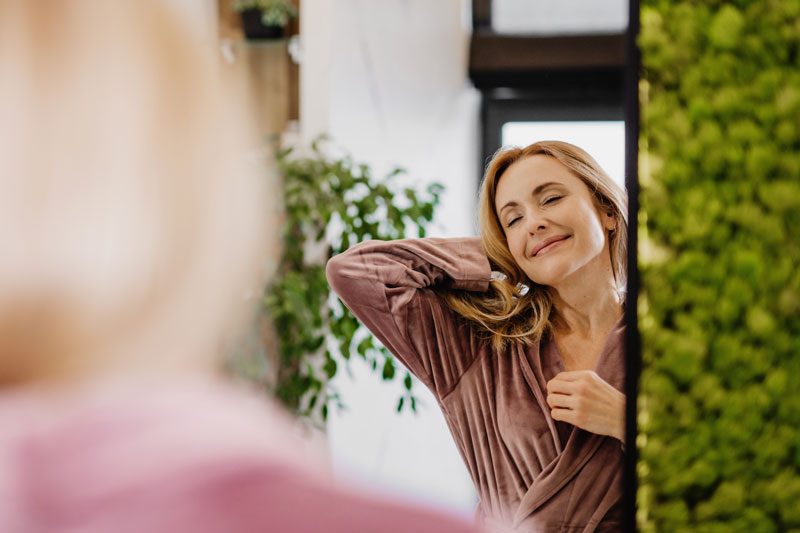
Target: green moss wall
<point>719,421</point>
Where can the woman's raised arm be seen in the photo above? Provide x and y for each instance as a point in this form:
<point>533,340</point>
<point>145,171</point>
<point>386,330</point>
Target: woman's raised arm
<point>386,286</point>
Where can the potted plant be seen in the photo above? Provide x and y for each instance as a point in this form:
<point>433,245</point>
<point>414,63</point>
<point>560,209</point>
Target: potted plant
<point>265,19</point>
<point>330,203</point>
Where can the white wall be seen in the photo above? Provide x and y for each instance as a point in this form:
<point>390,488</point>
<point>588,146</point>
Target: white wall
<point>316,34</point>
<point>388,80</point>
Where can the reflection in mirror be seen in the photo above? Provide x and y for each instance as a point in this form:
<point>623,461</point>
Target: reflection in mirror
<point>519,334</point>
<point>486,323</point>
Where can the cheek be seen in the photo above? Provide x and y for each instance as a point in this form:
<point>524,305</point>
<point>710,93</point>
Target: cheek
<point>516,245</point>
<point>595,235</point>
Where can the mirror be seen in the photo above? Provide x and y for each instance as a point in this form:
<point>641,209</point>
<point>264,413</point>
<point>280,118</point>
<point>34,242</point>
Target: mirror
<point>437,88</point>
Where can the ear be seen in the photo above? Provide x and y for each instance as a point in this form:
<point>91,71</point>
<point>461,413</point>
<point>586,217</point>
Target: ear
<point>609,222</point>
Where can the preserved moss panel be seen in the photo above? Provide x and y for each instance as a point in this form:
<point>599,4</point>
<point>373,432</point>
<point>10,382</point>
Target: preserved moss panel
<point>720,266</point>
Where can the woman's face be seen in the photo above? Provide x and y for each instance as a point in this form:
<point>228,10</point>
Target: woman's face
<point>552,226</point>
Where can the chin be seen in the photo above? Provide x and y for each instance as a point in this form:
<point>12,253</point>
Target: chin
<point>544,279</point>
<point>551,277</point>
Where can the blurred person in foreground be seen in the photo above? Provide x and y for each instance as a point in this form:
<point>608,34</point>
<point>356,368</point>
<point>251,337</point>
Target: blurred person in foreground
<point>131,228</point>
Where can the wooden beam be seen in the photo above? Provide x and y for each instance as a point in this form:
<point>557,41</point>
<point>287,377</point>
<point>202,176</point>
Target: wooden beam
<point>481,14</point>
<point>494,52</point>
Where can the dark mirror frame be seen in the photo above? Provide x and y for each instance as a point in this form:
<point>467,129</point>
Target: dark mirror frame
<point>633,359</point>
<point>576,77</point>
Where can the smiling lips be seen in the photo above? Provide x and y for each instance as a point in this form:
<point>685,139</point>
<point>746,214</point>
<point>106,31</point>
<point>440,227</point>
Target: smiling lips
<point>548,244</point>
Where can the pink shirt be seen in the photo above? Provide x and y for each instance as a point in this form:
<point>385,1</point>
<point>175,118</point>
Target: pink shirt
<point>194,457</point>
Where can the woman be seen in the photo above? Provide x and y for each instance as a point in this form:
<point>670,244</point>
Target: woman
<point>519,334</point>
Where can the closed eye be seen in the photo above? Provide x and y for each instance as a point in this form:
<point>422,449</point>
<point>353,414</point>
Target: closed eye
<point>511,223</point>
<point>553,199</point>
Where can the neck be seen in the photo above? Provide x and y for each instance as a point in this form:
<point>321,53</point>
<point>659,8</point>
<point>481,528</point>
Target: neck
<point>585,304</point>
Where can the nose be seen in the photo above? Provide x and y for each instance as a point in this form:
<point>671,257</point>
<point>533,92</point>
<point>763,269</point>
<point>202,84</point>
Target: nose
<point>536,223</point>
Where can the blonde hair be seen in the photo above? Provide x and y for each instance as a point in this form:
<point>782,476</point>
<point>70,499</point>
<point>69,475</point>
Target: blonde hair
<point>507,313</point>
<point>131,225</point>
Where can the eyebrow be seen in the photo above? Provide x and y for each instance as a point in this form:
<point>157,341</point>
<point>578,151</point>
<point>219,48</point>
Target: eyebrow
<point>538,190</point>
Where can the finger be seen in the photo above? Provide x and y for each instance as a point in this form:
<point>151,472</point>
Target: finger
<point>574,375</point>
<point>562,401</point>
<point>563,415</point>
<point>559,386</point>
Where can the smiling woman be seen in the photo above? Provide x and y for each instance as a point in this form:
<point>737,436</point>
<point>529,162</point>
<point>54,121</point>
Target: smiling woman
<point>528,365</point>
<point>547,217</point>
<point>572,178</point>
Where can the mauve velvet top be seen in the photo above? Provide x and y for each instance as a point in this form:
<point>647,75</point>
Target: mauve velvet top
<point>531,473</point>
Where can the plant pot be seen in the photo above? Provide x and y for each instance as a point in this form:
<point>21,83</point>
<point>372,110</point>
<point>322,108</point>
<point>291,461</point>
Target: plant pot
<point>254,28</point>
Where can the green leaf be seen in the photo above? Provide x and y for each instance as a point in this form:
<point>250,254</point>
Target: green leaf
<point>363,346</point>
<point>388,369</point>
<point>435,188</point>
<point>330,366</point>
<point>396,171</point>
<point>315,343</point>
<point>313,402</point>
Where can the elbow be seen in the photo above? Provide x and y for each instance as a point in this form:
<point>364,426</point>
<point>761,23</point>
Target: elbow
<point>348,264</point>
<point>333,271</point>
<point>341,270</point>
<point>349,272</point>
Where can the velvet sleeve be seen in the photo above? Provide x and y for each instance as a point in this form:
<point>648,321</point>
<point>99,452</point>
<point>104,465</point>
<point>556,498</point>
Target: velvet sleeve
<point>387,285</point>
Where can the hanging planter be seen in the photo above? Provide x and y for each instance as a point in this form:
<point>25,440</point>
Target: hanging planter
<point>254,27</point>
<point>265,19</point>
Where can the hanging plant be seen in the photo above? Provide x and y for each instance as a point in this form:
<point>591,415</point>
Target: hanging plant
<point>265,19</point>
<point>331,204</point>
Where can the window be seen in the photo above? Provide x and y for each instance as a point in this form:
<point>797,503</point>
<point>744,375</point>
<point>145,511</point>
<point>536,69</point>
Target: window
<point>564,17</point>
<point>604,140</point>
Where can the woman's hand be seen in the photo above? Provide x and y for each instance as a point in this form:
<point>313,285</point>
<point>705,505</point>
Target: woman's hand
<point>583,399</point>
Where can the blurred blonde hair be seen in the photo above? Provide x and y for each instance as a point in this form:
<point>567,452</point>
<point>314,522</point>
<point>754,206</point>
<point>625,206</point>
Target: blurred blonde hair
<point>505,312</point>
<point>131,224</point>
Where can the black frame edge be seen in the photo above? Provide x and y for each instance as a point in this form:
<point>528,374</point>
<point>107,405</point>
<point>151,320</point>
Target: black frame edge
<point>633,360</point>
